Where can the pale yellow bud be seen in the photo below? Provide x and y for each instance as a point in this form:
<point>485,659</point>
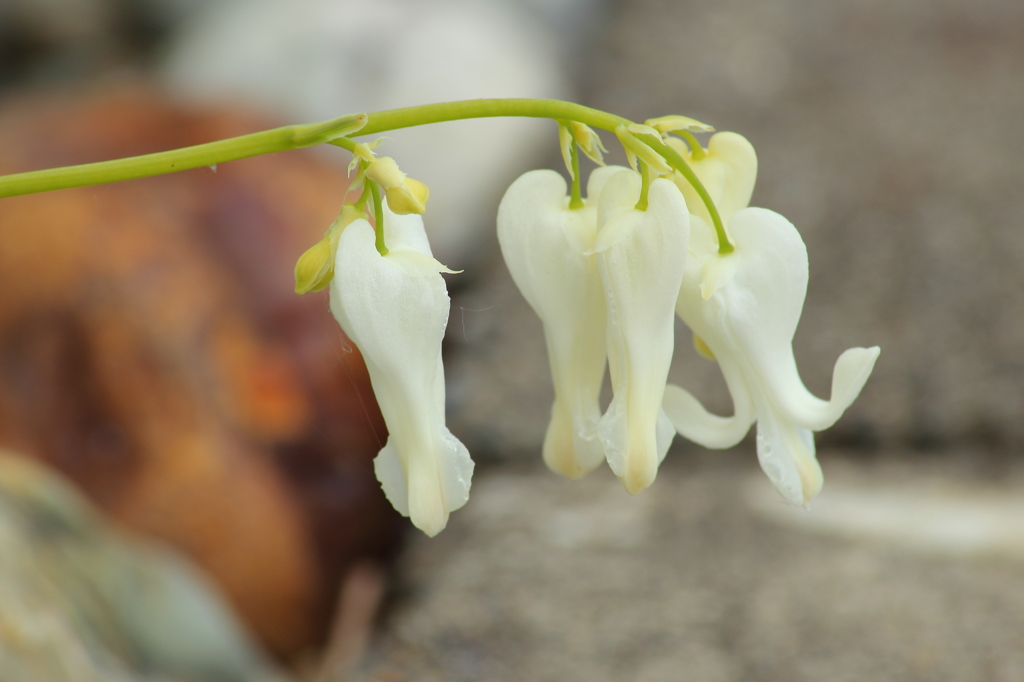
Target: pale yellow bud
<point>315,268</point>
<point>409,197</point>
<point>641,129</point>
<point>590,144</point>
<point>565,143</point>
<point>667,124</point>
<point>385,172</point>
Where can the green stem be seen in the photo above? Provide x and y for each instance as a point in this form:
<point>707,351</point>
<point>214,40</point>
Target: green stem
<point>675,160</point>
<point>645,185</point>
<point>378,217</point>
<point>333,132</point>
<point>575,197</point>
<point>394,119</point>
<point>696,150</point>
<point>364,197</point>
<point>266,142</point>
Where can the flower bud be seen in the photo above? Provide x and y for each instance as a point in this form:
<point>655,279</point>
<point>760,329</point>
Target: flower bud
<point>385,172</point>
<point>315,268</point>
<point>405,195</point>
<point>409,197</point>
<point>668,124</point>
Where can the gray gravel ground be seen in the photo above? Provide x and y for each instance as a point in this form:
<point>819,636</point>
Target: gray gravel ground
<point>539,578</point>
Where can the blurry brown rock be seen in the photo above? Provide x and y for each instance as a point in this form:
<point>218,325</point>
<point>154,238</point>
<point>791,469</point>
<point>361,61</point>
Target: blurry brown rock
<point>152,349</point>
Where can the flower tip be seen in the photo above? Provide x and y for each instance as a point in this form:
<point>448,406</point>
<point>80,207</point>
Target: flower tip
<point>571,455</point>
<point>668,124</point>
<point>638,477</point>
<point>432,524</point>
<point>408,197</point>
<point>314,269</point>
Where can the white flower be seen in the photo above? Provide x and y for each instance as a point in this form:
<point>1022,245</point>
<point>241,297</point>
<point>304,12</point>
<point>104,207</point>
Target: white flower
<point>745,307</point>
<point>641,256</point>
<point>544,244</point>
<point>395,309</point>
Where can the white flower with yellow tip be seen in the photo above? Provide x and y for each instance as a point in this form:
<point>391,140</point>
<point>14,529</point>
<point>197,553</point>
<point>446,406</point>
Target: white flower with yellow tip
<point>395,309</point>
<point>744,307</point>
<point>545,243</point>
<point>641,255</point>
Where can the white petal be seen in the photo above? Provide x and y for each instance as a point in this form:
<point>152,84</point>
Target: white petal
<point>543,243</point>
<point>694,422</point>
<point>641,257</point>
<point>786,454</point>
<point>747,315</point>
<point>405,232</point>
<point>771,279</point>
<point>395,309</point>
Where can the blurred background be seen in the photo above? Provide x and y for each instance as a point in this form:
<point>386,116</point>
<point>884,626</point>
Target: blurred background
<point>198,500</point>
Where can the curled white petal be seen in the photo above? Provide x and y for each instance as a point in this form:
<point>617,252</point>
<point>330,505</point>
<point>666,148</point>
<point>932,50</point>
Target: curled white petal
<point>771,271</point>
<point>746,306</point>
<point>544,244</point>
<point>694,422</point>
<point>395,309</point>
<point>641,256</point>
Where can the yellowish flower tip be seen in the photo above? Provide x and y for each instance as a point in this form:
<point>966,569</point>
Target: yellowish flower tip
<point>565,142</point>
<point>590,144</point>
<point>315,268</point>
<point>409,197</point>
<point>385,172</point>
<point>668,124</point>
<point>641,129</point>
<point>405,195</point>
<point>702,348</point>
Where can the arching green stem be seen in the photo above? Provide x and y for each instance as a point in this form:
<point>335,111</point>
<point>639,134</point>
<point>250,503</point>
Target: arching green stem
<point>334,132</point>
<point>378,217</point>
<point>212,153</point>
<point>394,119</point>
<point>575,196</point>
<point>696,150</point>
<point>677,162</point>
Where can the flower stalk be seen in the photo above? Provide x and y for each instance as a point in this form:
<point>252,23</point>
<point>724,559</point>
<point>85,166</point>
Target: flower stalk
<point>337,132</point>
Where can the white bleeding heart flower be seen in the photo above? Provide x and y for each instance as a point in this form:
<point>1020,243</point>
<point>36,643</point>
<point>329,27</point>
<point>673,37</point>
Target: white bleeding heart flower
<point>544,243</point>
<point>745,306</point>
<point>641,255</point>
<point>395,309</point>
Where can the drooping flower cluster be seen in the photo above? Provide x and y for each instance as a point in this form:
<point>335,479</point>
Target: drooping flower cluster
<point>743,307</point>
<point>606,275</point>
